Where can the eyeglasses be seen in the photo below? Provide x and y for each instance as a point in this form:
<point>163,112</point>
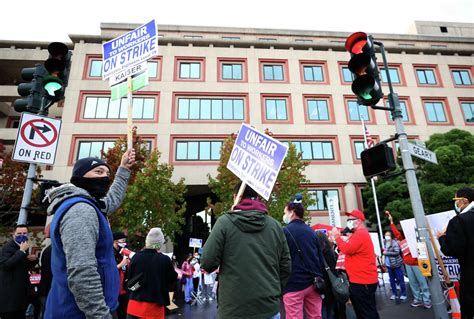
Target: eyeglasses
<point>459,198</point>
<point>351,219</point>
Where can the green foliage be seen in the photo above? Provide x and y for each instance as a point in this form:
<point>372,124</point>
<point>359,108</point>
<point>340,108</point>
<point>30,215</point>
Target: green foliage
<point>438,183</point>
<point>288,182</point>
<point>154,200</point>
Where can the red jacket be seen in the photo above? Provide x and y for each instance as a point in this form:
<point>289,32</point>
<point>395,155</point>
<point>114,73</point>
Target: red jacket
<point>360,257</point>
<point>408,258</point>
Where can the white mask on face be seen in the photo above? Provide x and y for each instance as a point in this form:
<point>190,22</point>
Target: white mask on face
<point>388,238</point>
<point>286,219</point>
<point>350,224</point>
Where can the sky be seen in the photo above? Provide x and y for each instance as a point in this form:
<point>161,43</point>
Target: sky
<point>40,23</point>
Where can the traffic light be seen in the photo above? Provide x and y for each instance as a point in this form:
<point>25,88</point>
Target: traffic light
<point>363,63</point>
<point>32,92</point>
<point>377,160</point>
<point>57,66</point>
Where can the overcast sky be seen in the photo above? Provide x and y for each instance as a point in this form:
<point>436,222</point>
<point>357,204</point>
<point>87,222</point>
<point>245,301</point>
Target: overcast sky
<point>85,16</point>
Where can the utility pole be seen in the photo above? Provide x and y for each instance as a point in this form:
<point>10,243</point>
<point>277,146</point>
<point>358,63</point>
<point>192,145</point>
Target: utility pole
<point>437,297</point>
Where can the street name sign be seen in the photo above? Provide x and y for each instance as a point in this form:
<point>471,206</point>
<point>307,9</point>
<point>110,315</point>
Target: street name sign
<point>422,153</point>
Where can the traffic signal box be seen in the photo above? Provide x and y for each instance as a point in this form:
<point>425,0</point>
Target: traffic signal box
<point>46,83</point>
<point>377,160</point>
<point>363,64</point>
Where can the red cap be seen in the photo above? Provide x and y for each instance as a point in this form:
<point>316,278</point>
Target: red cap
<point>357,214</point>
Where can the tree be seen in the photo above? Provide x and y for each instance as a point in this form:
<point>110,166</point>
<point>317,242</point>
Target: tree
<point>152,199</point>
<point>288,183</point>
<point>12,184</point>
<point>438,183</point>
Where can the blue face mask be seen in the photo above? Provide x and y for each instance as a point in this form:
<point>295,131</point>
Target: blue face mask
<point>21,238</point>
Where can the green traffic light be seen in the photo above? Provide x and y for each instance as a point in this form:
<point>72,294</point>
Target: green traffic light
<point>52,87</point>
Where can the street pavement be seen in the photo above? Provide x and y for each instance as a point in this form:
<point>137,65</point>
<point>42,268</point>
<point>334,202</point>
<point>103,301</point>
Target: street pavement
<point>388,309</point>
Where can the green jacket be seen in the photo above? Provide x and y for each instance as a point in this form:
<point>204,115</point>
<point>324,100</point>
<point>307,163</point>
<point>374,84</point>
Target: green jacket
<point>254,259</point>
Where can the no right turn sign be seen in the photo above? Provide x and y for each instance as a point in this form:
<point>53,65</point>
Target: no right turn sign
<point>37,139</point>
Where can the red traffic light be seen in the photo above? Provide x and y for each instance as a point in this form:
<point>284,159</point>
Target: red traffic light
<point>356,42</point>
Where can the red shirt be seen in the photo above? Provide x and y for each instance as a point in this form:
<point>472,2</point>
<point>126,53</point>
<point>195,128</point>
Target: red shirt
<point>408,258</point>
<point>145,310</point>
<point>360,257</point>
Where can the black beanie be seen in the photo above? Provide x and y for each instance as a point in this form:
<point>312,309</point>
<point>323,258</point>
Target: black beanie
<point>84,165</point>
<point>119,235</point>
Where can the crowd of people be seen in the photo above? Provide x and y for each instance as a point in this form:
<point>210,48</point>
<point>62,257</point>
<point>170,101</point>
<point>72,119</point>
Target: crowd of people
<point>253,266</point>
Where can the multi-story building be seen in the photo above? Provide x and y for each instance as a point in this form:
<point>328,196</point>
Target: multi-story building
<point>206,81</point>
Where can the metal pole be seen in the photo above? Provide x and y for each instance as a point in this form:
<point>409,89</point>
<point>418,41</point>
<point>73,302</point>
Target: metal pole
<point>25,202</point>
<point>437,297</point>
<point>377,212</point>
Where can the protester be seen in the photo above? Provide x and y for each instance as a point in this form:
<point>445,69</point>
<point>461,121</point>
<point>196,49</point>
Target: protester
<point>418,283</point>
<point>196,274</point>
<point>251,250</point>
<point>360,265</point>
<point>85,276</point>
<point>306,264</point>
<point>15,262</point>
<point>120,242</point>
<point>157,276</point>
<point>34,303</point>
<point>394,262</point>
<point>458,241</point>
<point>46,274</point>
<point>208,285</point>
<point>187,279</point>
<point>332,308</point>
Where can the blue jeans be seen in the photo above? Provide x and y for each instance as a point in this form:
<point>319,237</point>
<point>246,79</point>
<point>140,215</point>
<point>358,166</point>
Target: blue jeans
<point>188,289</point>
<point>396,276</point>
<point>418,285</point>
<point>277,316</point>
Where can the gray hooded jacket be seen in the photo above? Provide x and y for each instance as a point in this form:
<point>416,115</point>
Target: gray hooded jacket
<point>79,230</point>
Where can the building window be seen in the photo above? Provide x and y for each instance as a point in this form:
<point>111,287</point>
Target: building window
<point>95,68</point>
<point>230,38</point>
<point>267,39</point>
<point>211,109</point>
<point>318,110</point>
<point>435,112</point>
<point>426,76</point>
<point>96,107</point>
<point>198,150</point>
<point>357,112</point>
<point>273,72</point>
<point>443,29</point>
<point>320,198</point>
<point>404,107</point>
<point>314,150</point>
<point>359,146</point>
<point>468,111</point>
<point>231,71</point>
<point>93,148</point>
<point>462,77</point>
<point>275,109</point>
<point>347,75</point>
<point>190,70</point>
<point>394,76</point>
<point>313,73</point>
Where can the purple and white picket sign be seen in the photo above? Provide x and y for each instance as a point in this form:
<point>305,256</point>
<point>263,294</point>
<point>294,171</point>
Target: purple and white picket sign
<point>256,159</point>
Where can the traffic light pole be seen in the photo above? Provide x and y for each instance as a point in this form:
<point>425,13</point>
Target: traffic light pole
<point>437,297</point>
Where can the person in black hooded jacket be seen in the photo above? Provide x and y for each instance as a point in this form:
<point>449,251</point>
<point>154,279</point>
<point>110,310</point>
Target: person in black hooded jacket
<point>158,277</point>
<point>458,241</point>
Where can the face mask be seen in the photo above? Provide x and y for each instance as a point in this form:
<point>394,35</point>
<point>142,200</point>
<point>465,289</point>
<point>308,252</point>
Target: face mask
<point>350,224</point>
<point>388,238</point>
<point>96,186</point>
<point>286,219</point>
<point>457,210</point>
<point>122,245</point>
<point>21,238</point>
